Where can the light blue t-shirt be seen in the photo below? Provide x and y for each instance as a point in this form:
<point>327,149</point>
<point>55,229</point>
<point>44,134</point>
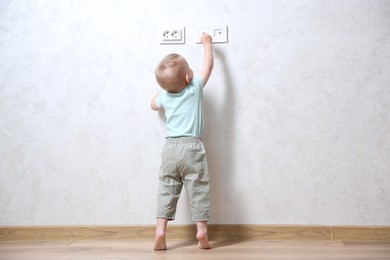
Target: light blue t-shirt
<point>183,110</point>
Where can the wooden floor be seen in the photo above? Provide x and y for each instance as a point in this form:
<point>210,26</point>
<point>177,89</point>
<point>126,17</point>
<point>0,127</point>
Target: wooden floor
<point>114,249</point>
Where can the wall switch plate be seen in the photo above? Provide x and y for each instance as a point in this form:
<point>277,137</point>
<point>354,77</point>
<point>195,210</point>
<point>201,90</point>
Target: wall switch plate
<point>174,35</point>
<point>218,33</point>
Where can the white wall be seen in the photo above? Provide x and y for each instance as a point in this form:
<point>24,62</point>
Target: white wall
<point>297,110</point>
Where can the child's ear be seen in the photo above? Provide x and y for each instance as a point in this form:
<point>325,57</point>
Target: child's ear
<point>189,77</point>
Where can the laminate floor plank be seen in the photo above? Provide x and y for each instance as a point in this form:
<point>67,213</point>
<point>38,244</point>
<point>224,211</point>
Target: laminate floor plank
<point>118,249</point>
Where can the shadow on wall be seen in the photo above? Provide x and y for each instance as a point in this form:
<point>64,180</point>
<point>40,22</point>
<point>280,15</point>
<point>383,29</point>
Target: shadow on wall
<point>219,141</point>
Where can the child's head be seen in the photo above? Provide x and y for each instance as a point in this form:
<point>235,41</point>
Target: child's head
<point>173,73</point>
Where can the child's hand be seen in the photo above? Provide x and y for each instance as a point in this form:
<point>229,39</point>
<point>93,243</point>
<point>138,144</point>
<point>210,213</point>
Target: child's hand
<point>208,61</point>
<point>205,38</point>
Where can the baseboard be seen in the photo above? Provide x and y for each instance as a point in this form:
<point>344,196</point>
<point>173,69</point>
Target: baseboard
<point>216,232</point>
<point>362,233</point>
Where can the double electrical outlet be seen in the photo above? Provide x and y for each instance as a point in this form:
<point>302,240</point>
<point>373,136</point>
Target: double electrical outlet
<point>173,36</point>
<point>177,35</point>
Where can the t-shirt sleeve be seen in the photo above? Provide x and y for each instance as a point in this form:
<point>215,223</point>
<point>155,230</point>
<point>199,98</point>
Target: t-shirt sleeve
<point>199,85</point>
<point>158,100</point>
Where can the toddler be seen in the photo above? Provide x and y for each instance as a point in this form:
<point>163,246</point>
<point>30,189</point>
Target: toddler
<point>184,161</point>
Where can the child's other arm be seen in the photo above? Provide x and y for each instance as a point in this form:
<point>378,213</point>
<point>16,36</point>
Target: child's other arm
<point>208,62</point>
<point>153,103</point>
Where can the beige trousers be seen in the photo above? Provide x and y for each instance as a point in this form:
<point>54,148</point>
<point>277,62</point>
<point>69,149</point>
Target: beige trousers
<point>184,163</point>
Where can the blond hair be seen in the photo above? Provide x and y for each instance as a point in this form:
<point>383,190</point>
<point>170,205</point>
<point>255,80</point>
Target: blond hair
<point>171,72</point>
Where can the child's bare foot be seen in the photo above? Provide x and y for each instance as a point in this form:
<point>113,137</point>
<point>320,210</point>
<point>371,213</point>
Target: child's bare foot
<point>203,240</point>
<point>159,242</point>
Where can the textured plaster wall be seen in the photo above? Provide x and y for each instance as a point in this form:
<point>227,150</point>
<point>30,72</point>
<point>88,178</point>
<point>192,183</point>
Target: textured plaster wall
<point>297,110</point>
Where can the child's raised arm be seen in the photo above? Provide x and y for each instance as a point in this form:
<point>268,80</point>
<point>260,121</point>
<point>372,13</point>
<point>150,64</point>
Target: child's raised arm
<point>208,62</point>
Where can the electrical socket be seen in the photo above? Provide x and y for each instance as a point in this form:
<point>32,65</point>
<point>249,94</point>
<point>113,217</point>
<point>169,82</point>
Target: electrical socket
<point>218,33</point>
<point>173,36</point>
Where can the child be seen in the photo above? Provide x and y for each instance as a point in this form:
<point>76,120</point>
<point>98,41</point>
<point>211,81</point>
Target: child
<point>184,159</point>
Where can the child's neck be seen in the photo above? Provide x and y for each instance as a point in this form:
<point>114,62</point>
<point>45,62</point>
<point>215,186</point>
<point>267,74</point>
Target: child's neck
<point>177,90</point>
